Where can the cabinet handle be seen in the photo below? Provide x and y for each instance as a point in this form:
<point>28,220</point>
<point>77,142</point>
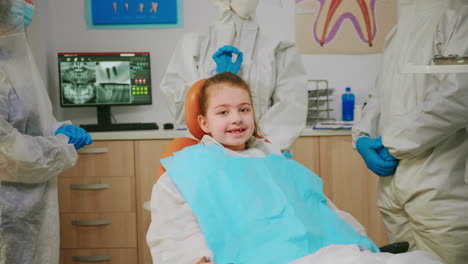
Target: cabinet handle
<point>91,258</point>
<point>91,222</point>
<point>89,186</point>
<point>93,150</point>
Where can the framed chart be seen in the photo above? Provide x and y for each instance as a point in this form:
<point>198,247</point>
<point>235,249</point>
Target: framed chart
<point>108,14</point>
<point>343,26</point>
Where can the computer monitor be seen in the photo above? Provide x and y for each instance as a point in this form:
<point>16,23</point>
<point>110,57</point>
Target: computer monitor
<point>103,80</point>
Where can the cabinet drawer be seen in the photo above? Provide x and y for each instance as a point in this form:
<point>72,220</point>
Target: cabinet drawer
<point>104,158</point>
<point>104,256</point>
<point>103,230</point>
<point>96,194</point>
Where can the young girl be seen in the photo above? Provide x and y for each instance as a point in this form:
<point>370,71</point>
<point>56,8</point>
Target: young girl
<point>233,198</point>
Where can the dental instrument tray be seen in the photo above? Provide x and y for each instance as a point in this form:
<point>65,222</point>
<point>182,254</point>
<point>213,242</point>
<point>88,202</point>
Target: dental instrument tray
<point>319,98</point>
<point>334,125</point>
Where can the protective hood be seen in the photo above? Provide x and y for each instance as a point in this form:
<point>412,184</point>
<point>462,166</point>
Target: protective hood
<point>19,74</point>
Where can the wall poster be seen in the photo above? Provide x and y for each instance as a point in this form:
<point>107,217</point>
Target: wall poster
<point>343,26</point>
<point>133,13</point>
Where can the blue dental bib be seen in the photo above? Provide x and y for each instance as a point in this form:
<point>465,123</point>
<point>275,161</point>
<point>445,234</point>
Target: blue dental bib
<point>257,210</point>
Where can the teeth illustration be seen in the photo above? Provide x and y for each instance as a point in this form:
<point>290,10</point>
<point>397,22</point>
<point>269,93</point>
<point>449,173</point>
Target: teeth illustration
<point>332,14</point>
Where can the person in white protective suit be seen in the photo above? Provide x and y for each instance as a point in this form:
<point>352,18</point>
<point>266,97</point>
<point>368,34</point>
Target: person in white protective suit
<point>273,69</point>
<point>421,119</point>
<point>34,148</point>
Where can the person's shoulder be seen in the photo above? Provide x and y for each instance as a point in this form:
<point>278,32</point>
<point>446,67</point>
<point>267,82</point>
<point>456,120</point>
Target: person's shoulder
<point>275,43</point>
<point>283,46</point>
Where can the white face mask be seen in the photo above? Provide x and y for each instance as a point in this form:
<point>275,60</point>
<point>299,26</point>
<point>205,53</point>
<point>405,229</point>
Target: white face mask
<point>244,8</point>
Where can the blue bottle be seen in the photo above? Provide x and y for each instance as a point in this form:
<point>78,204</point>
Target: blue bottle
<point>347,103</point>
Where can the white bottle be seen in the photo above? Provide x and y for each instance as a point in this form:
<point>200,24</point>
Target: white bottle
<point>357,113</point>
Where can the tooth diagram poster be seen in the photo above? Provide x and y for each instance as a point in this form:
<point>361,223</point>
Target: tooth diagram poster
<point>343,26</point>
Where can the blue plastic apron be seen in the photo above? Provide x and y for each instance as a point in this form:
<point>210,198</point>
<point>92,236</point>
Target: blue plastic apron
<point>257,210</point>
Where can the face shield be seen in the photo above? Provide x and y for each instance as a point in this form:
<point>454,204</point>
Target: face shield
<point>20,82</point>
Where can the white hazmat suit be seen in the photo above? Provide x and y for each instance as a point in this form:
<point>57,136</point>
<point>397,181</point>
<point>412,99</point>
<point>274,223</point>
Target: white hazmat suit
<point>422,119</point>
<point>272,68</point>
<point>30,155</point>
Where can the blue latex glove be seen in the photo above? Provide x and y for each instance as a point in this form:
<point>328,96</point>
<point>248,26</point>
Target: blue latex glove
<point>375,155</point>
<point>76,135</point>
<point>287,155</point>
<point>223,59</point>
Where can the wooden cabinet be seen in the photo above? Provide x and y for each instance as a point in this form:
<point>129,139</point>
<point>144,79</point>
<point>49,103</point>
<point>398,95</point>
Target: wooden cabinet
<point>101,199</point>
<point>148,153</point>
<point>97,205</point>
<point>347,181</point>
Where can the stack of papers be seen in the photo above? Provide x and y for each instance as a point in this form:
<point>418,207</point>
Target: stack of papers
<point>334,125</point>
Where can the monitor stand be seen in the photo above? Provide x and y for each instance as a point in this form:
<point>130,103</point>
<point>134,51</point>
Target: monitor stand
<point>105,124</point>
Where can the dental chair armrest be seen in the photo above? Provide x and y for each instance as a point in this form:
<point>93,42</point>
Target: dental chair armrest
<point>395,248</point>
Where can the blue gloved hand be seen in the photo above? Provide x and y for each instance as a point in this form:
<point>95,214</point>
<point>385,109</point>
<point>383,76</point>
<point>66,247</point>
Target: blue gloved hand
<point>223,59</point>
<point>375,155</point>
<point>76,135</point>
<point>287,155</point>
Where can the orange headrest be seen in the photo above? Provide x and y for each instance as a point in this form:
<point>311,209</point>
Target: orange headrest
<point>192,109</point>
<point>175,145</point>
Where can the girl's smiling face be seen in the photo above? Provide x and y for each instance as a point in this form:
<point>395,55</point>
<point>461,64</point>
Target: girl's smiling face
<point>229,116</point>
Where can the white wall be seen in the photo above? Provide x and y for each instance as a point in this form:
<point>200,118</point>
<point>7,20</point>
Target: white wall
<point>63,29</point>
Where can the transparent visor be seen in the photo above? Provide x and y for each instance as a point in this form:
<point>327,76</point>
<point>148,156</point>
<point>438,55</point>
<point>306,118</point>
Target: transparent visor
<point>19,67</point>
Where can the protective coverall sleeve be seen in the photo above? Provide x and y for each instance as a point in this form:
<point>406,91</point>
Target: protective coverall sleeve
<point>285,119</point>
<point>180,75</point>
<point>444,110</point>
<point>174,235</point>
<point>369,123</point>
<point>32,159</point>
<point>25,158</point>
